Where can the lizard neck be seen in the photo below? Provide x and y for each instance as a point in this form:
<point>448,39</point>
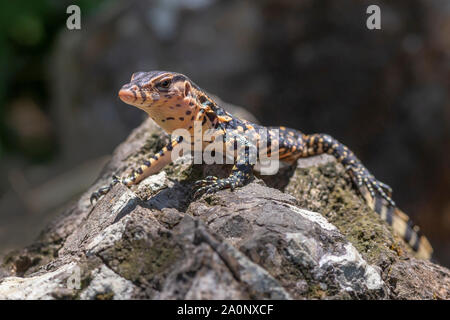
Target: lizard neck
<point>177,112</point>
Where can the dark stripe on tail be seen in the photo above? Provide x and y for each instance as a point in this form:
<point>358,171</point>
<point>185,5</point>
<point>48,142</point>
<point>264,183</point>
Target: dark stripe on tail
<point>400,223</point>
<point>389,215</point>
<point>408,233</point>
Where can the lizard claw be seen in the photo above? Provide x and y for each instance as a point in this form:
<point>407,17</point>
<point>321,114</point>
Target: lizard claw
<point>94,197</point>
<point>97,195</point>
<point>386,188</point>
<point>103,190</point>
<point>210,185</point>
<point>205,182</point>
<point>362,177</point>
<point>380,189</point>
<point>207,190</point>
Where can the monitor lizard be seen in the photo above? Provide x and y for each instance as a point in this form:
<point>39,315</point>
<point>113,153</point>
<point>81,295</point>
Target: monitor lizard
<point>175,102</point>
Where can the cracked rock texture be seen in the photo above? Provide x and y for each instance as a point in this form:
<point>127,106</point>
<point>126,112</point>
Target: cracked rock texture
<point>303,234</point>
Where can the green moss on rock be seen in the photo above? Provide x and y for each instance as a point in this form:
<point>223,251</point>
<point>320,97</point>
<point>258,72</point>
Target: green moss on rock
<point>327,189</point>
<point>140,260</point>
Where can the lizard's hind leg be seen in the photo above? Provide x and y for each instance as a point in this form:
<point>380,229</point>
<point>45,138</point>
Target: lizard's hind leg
<point>316,144</point>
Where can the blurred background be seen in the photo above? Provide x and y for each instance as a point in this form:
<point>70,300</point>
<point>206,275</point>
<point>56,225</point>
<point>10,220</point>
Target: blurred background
<point>311,65</point>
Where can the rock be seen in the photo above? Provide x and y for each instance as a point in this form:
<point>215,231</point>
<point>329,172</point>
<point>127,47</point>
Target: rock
<point>384,94</point>
<point>315,240</point>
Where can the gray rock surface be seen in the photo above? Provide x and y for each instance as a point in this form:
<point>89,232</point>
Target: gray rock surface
<point>153,241</point>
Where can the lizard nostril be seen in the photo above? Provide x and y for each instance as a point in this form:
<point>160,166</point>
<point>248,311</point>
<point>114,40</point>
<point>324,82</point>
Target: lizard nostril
<point>127,95</point>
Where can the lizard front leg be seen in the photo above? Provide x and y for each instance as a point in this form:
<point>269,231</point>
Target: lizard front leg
<point>241,173</point>
<point>148,167</point>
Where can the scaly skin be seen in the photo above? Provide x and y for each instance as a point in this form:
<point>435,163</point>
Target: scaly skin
<point>174,102</point>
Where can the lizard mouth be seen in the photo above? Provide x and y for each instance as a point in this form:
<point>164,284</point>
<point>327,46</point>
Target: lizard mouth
<point>136,97</point>
<point>128,96</point>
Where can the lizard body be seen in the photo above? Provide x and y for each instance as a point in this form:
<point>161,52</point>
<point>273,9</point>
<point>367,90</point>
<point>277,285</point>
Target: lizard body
<point>174,102</point>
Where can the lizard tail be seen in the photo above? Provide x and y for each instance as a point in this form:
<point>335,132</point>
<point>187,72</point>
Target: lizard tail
<point>401,224</point>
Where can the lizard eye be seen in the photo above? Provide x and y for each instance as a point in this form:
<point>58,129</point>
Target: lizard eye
<point>164,84</point>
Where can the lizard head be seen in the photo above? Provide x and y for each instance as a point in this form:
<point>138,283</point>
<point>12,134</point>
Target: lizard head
<point>166,96</point>
<point>154,88</point>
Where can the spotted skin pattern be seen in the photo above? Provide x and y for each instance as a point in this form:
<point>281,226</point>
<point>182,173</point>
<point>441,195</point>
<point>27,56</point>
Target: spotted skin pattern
<point>174,102</point>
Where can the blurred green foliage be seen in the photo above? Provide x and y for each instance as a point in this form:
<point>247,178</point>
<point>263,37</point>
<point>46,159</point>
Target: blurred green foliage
<point>28,29</point>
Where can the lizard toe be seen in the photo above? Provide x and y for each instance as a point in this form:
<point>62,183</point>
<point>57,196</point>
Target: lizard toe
<point>94,197</point>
